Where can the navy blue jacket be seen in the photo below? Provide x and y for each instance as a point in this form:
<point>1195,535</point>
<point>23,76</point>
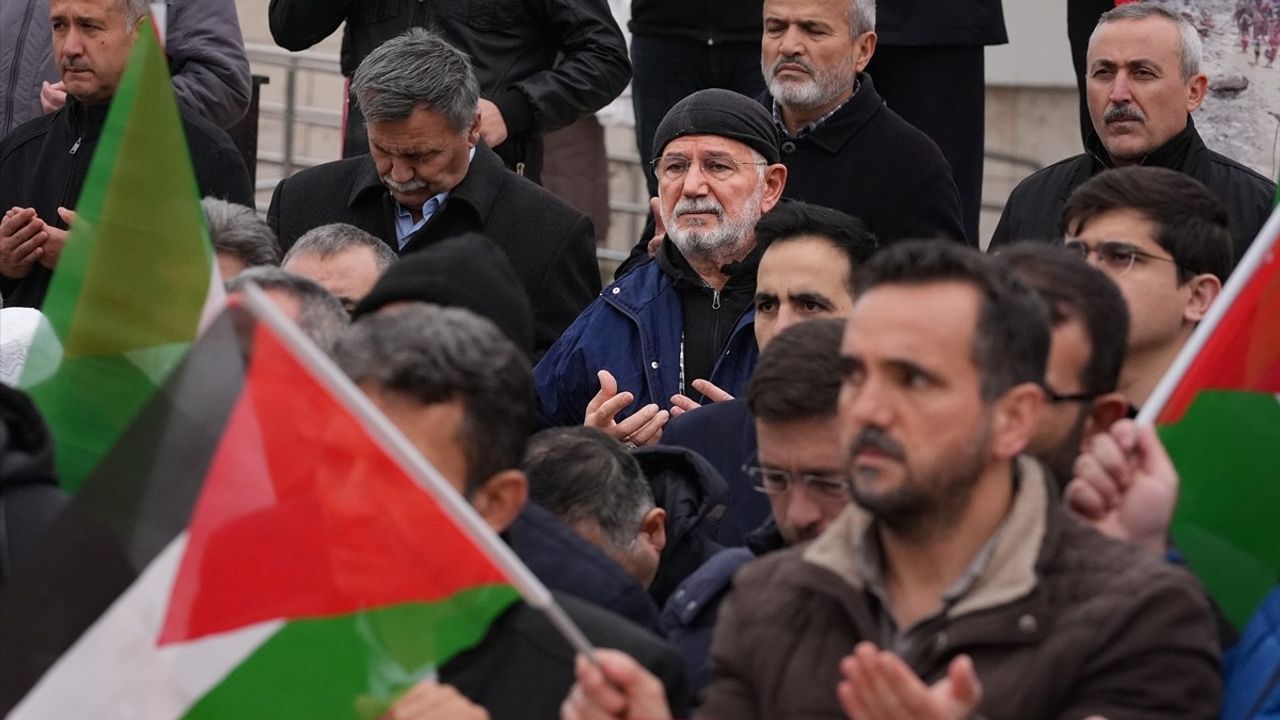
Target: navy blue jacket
<point>725,434</point>
<point>1252,667</point>
<point>634,331</point>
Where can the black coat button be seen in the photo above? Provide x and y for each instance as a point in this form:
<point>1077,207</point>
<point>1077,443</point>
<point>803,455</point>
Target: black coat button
<point>788,147</point>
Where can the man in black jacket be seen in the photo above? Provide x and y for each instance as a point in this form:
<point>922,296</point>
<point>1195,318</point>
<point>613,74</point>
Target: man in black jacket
<point>844,148</point>
<point>462,394</point>
<point>429,177</point>
<point>43,162</point>
<point>541,64</point>
<point>1143,82</point>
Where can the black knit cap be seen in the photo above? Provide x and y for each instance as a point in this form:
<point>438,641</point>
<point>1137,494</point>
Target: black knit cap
<point>469,272</point>
<point>716,111</point>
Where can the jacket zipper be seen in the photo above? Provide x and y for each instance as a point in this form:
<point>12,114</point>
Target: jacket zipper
<point>17,65</point>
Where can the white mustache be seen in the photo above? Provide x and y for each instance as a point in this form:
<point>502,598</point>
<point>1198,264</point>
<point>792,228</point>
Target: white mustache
<point>408,187</point>
<point>698,205</point>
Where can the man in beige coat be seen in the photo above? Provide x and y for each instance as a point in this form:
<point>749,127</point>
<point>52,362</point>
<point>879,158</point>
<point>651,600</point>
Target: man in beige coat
<point>955,586</point>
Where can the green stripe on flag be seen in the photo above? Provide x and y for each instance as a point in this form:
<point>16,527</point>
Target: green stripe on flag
<point>135,273</point>
<point>1227,452</point>
<point>313,668</point>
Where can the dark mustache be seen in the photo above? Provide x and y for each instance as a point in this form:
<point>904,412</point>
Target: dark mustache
<point>1122,112</point>
<point>873,438</point>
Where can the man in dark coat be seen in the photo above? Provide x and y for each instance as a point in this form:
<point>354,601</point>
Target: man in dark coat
<point>843,147</point>
<point>540,65</point>
<point>43,162</point>
<point>471,414</point>
<point>1144,80</point>
<point>429,177</point>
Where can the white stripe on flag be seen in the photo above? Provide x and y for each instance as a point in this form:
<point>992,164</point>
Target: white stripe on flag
<point>115,669</point>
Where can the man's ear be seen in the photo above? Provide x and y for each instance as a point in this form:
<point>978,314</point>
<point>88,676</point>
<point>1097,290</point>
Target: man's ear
<point>654,527</point>
<point>1195,91</point>
<point>775,179</point>
<point>473,133</point>
<point>501,498</point>
<point>1105,410</point>
<point>1014,419</point>
<point>1205,288</point>
<point>864,47</point>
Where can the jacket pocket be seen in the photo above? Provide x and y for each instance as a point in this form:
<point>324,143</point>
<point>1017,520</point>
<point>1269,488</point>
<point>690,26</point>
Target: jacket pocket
<point>486,15</point>
<point>366,12</point>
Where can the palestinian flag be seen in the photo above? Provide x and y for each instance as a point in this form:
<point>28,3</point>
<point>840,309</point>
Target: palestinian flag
<point>1218,413</point>
<point>136,280</point>
<point>325,567</point>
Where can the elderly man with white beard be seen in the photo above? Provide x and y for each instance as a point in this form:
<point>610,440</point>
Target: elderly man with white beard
<point>686,313</point>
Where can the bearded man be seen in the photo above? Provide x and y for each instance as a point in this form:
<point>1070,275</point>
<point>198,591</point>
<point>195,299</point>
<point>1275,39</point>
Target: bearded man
<point>685,313</point>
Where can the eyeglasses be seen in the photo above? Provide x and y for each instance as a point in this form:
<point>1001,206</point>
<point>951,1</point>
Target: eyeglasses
<point>772,481</point>
<point>1056,397</point>
<point>673,167</point>
<point>1116,256</point>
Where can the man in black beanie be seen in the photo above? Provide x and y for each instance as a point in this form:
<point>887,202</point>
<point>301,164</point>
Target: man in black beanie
<point>685,314</point>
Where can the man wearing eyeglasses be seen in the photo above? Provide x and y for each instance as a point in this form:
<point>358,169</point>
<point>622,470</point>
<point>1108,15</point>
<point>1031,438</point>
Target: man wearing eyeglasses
<point>686,313</point>
<point>1143,81</point>
<point>798,467</point>
<point>1165,241</point>
<point>1089,329</point>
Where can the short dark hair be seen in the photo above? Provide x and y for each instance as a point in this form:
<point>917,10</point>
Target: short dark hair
<point>1011,340</point>
<point>1073,289</point>
<point>793,219</point>
<point>582,474</point>
<point>798,374</point>
<point>432,355</point>
<point>321,316</point>
<point>1191,222</point>
<point>238,231</point>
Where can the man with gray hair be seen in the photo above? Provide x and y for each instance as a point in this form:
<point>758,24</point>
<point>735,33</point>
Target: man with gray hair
<point>344,259</point>
<point>687,313</point>
<point>44,161</point>
<point>312,308</point>
<point>429,176</point>
<point>592,484</point>
<point>1143,80</point>
<point>240,238</point>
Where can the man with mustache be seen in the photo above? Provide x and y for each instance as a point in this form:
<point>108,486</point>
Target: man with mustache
<point>43,162</point>
<point>1143,81</point>
<point>685,314</point>
<point>955,585</point>
<point>429,176</point>
<point>843,146</point>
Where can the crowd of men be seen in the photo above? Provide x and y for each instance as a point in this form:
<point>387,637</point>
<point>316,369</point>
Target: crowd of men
<point>812,452</point>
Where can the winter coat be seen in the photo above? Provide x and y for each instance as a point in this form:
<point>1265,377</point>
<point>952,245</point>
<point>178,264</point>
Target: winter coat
<point>523,669</point>
<point>692,493</point>
<point>563,561</point>
<point>1060,622</point>
<point>707,21</point>
<point>955,22</point>
<point>689,615</point>
<point>26,61</point>
<point>544,63</point>
<point>551,245</point>
<point>865,160</point>
<point>1252,667</point>
<point>1034,208</point>
<point>30,498</point>
<point>634,331</point>
<point>725,434</point>
<point>43,165</point>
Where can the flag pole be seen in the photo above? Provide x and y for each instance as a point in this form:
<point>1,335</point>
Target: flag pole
<point>1263,244</point>
<point>416,466</point>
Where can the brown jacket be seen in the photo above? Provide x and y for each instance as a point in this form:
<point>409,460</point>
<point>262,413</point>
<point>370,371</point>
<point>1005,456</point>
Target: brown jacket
<point>1062,623</point>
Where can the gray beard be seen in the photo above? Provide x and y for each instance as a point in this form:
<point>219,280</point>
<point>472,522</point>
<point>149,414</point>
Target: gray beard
<point>820,89</point>
<point>722,243</point>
